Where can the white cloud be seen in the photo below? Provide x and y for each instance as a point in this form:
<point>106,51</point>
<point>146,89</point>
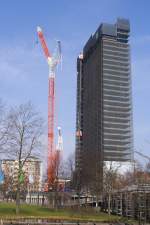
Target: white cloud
<point>15,62</point>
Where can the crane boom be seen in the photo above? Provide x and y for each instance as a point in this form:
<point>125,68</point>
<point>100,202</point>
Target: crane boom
<point>43,42</point>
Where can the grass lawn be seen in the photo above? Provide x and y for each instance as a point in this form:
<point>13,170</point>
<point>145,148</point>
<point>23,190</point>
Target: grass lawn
<point>7,211</point>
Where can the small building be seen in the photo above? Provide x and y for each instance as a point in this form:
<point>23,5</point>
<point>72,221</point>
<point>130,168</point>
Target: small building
<point>32,172</point>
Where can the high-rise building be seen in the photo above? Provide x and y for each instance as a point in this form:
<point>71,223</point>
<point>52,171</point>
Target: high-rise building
<point>104,102</point>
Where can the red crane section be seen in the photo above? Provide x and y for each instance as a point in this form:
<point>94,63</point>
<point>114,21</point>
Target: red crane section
<point>51,148</point>
<point>43,42</point>
<point>52,63</point>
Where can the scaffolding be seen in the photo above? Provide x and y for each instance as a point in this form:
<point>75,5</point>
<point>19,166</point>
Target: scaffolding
<point>132,202</point>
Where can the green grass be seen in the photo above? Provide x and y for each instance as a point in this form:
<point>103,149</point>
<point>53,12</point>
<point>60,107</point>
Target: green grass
<point>7,211</point>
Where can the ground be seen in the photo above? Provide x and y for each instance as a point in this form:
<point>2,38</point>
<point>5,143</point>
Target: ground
<point>7,210</point>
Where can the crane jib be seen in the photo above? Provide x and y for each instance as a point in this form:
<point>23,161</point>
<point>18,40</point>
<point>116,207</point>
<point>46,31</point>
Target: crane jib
<point>44,45</point>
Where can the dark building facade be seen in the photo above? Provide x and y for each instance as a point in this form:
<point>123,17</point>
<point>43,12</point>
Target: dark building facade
<point>104,102</point>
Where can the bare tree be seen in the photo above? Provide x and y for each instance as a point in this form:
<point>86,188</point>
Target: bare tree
<point>69,165</point>
<point>110,181</point>
<point>25,130</point>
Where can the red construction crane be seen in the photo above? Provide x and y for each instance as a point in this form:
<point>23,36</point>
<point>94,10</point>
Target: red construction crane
<point>52,61</point>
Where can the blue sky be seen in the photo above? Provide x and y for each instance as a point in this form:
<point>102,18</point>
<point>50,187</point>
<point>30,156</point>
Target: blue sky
<point>23,68</point>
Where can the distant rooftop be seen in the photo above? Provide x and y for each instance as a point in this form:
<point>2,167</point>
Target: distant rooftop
<point>31,158</point>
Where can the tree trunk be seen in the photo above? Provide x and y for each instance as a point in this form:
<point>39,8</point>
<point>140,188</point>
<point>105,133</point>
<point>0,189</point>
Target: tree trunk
<point>109,199</point>
<point>56,199</point>
<point>18,199</point>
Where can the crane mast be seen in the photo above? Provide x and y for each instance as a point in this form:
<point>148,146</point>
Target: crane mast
<point>52,61</point>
